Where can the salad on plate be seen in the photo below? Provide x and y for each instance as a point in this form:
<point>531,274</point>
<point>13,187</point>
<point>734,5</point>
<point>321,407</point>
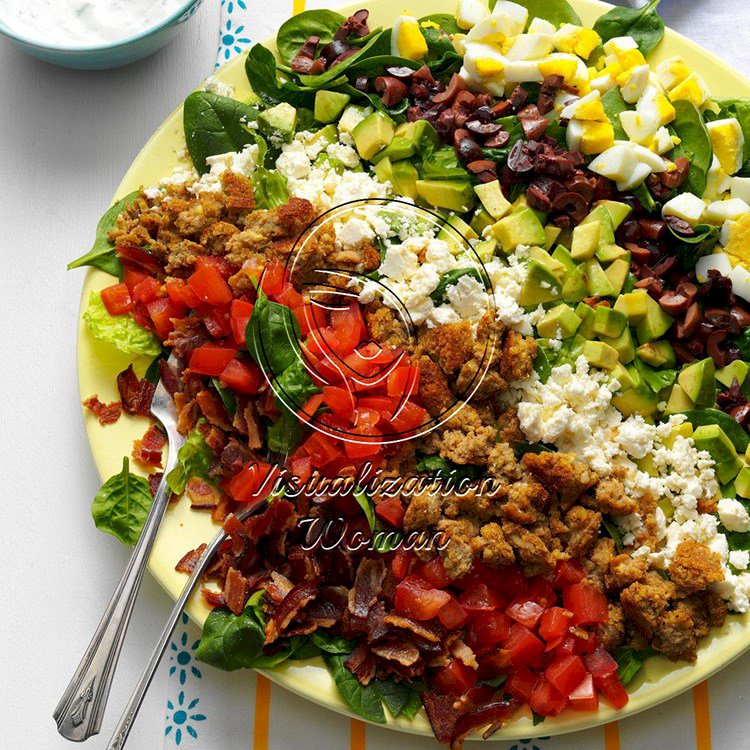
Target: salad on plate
<point>469,296</point>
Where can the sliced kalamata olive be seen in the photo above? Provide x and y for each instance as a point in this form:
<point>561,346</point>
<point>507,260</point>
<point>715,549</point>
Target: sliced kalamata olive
<point>304,61</point>
<point>663,267</point>
<point>713,347</point>
<point>518,97</point>
<point>480,165</point>
<point>689,290</point>
<point>502,109</point>
<point>518,160</point>
<point>498,141</point>
<point>455,85</point>
<point>538,199</point>
<point>445,123</point>
<point>484,129</point>
<point>424,75</point>
<point>464,102</point>
<point>679,225</point>
<point>741,316</point>
<point>674,303</point>
<point>362,84</point>
<point>655,186</point>
<point>391,90</point>
<point>431,115</point>
<point>741,414</point>
<point>677,176</point>
<point>483,113</point>
<point>688,325</point>
<point>333,49</point>
<point>652,229</point>
<point>717,317</point>
<point>683,353</point>
<point>400,71</point>
<point>717,290</point>
<point>534,128</point>
<point>489,175</point>
<point>548,92</point>
<point>468,150</point>
<point>419,90</point>
<point>630,231</point>
<point>557,165</point>
<point>355,25</point>
<point>573,204</point>
<point>604,190</point>
<point>638,253</point>
<point>655,287</point>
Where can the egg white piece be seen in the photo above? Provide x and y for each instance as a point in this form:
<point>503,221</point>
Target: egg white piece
<point>740,282</point>
<point>507,19</point>
<point>529,47</point>
<point>716,262</point>
<point>617,163</point>
<point>720,211</point>
<point>684,206</point>
<point>470,13</point>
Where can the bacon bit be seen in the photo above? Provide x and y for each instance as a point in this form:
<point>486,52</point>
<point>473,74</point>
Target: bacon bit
<point>136,393</point>
<point>147,450</point>
<point>329,606</point>
<point>278,587</point>
<point>235,591</point>
<point>464,654</point>
<point>213,409</point>
<point>190,560</point>
<point>418,628</point>
<point>220,513</point>
<point>361,664</point>
<point>289,608</point>
<point>105,413</point>
<point>495,714</point>
<point>214,598</point>
<point>441,714</point>
<point>403,652</point>
<point>368,583</point>
<point>201,493</point>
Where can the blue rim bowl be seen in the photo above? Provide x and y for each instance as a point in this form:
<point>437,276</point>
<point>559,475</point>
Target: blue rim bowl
<point>112,55</point>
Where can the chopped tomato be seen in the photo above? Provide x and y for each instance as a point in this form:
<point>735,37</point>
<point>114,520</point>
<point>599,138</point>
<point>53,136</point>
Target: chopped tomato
<point>456,678</point>
<point>600,663</point>
<point>415,598</point>
<point>117,299</point>
<point>132,276</point>
<point>211,359</point>
<point>392,511</point>
<point>433,571</point>
<point>487,629</point>
<point>612,689</point>
<point>162,311</point>
<point>366,443</point>
<point>147,290</point>
<point>554,624</point>
<point>240,313</point>
<point>565,673</point>
<point>133,256</point>
<point>409,417</point>
<point>546,700</point>
<point>253,483</point>
<point>479,598</point>
<point>181,293</point>
<point>272,280</point>
<point>584,697</point>
<point>403,381</point>
<point>301,468</point>
<point>588,605</point>
<point>208,283</point>
<point>322,449</point>
<point>453,615</point>
<point>241,377</point>
<point>521,683</point>
<point>523,646</point>
<point>350,317</point>
<point>340,401</point>
<point>218,323</point>
<point>525,611</point>
<point>310,407</point>
<point>567,573</point>
<point>400,563</point>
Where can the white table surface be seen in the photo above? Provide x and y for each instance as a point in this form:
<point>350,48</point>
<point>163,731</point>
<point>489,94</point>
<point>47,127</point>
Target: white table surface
<point>66,138</point>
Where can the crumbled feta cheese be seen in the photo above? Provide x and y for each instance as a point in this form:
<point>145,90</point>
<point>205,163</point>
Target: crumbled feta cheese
<point>353,232</point>
<point>733,515</point>
<point>739,559</point>
<point>213,85</point>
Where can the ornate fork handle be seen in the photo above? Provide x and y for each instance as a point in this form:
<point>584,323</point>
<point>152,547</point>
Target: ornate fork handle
<point>81,709</point>
<point>120,735</point>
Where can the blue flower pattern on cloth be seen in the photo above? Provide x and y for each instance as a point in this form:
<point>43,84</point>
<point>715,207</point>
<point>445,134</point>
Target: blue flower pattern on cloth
<point>529,744</point>
<point>233,37</point>
<point>181,658</point>
<point>181,718</point>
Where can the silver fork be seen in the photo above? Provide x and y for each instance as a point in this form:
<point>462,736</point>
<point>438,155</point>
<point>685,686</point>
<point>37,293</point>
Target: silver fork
<point>81,709</point>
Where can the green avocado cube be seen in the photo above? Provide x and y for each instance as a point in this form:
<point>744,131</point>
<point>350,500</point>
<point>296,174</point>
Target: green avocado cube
<point>697,380</point>
<point>608,253</point>
<point>586,314</point>
<point>655,323</point>
<point>636,400</point>
<point>600,355</point>
<point>657,354</point>
<point>540,286</point>
<point>678,401</point>
<point>373,134</point>
<point>609,322</point>
<point>480,220</point>
<point>547,260</point>
<point>574,286</point>
<point>622,344</point>
<point>585,241</point>
<point>421,133</point>
<point>742,483</point>
<point>622,376</point>
<point>384,170</point>
<point>399,148</point>
<point>329,105</point>
<point>558,322</point>
<point>634,304</point>
<point>711,438</point>
<point>519,228</point>
<point>726,471</point>
<point>552,233</point>
<point>485,249</point>
<point>492,198</point>
<point>456,195</point>
<point>596,280</point>
<point>617,211</point>
<point>737,369</point>
<point>405,178</point>
<point>561,255</point>
<point>279,121</point>
<point>599,215</point>
<point>617,272</point>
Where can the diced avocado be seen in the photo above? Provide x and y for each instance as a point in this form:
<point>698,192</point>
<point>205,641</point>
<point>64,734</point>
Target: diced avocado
<point>326,161</point>
<point>561,255</point>
<point>684,430</point>
<point>697,380</point>
<point>520,228</point>
<point>329,134</point>
<point>457,195</point>
<point>609,322</point>
<point>491,195</point>
<point>634,304</point>
<point>480,220</point>
<point>559,322</point>
<point>608,253</point>
<point>678,401</point>
<point>586,314</point>
<point>737,369</point>
<point>565,238</point>
<point>405,178</point>
<point>279,121</point>
<point>622,344</point>
<point>552,233</point>
<point>711,438</point>
<point>540,286</point>
<point>726,471</point>
<point>454,226</point>
<point>585,241</point>
<point>373,134</point>
<point>622,376</point>
<point>637,400</point>
<point>742,483</point>
<point>399,148</point>
<point>655,323</point>
<point>574,286</point>
<point>384,170</point>
<point>666,507</point>
<point>329,105</point>
<point>647,464</point>
<point>421,133</point>
<point>599,215</point>
<point>617,272</point>
<point>352,116</point>
<point>617,211</point>
<point>601,355</point>
<point>596,280</point>
<point>547,260</point>
<point>657,353</point>
<point>486,249</point>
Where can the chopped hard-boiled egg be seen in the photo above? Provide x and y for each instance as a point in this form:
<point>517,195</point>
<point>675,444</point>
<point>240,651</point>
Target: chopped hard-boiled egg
<point>662,141</point>
<point>729,210</point>
<point>588,107</point>
<point>639,126</point>
<point>640,173</point>
<point>470,13</point>
<point>540,26</point>
<point>740,187</point>
<point>654,104</point>
<point>740,277</point>
<point>521,71</point>
<point>633,83</point>
<point>728,142</point>
<point>617,163</point>
<point>645,155</point>
<point>693,89</point>
<point>685,206</point>
<point>559,63</point>
<point>606,78</point>
<point>590,136</point>
<point>576,40</point>
<point>735,236</point>
<point>717,180</point>
<point>716,262</point>
<point>507,19</point>
<point>529,47</point>
<point>407,39</point>
<point>672,71</point>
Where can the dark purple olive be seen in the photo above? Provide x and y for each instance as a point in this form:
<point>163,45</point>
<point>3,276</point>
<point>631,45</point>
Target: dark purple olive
<point>573,204</point>
<point>483,114</point>
<point>485,129</point>
<point>498,141</point>
<point>333,49</point>
<point>468,150</point>
<point>362,84</point>
<point>518,159</point>
<point>400,71</point>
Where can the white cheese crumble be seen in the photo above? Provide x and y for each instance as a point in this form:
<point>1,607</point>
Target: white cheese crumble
<point>214,86</point>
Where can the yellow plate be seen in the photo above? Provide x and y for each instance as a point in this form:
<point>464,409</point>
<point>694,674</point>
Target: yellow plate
<point>183,529</point>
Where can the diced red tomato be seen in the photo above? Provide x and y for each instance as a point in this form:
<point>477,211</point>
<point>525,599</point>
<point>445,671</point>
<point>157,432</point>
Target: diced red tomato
<point>525,611</point>
<point>510,581</point>
<point>366,443</point>
<point>409,417</point>
<point>567,573</point>
<point>240,313</point>
<point>137,257</point>
<point>600,663</point>
<point>290,297</point>
<point>211,359</point>
<point>453,615</point>
<point>415,598</point>
<point>612,689</point>
<point>340,401</point>
<point>147,290</point>
<point>301,468</point>
<point>322,448</point>
<point>546,700</point>
<point>241,376</point>
<point>117,299</point>
<point>433,571</point>
<point>392,511</point>
<point>588,605</point>
<point>162,311</point>
<point>523,647</point>
<point>521,683</point>
<point>310,407</point>
<point>480,598</point>
<point>400,563</point>
<point>487,629</point>
<point>584,697</point>
<point>181,293</point>
<point>272,280</point>
<point>132,276</point>
<point>253,483</point>
<point>456,678</point>
<point>349,318</point>
<point>208,283</point>
<point>554,624</point>
<point>565,673</point>
<point>403,381</point>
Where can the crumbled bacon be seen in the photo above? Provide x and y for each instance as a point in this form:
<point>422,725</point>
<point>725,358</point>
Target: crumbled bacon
<point>290,606</point>
<point>235,591</point>
<point>368,584</point>
<point>147,450</point>
<point>201,493</point>
<point>136,393</point>
<point>361,663</point>
<point>190,560</point>
<point>214,598</point>
<point>105,413</point>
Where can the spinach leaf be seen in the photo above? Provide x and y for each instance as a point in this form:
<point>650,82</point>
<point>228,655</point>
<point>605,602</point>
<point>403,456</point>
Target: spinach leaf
<point>442,164</point>
<point>152,373</point>
<point>445,21</point>
<point>260,69</point>
<point>644,198</point>
<point>643,24</point>
<point>292,388</point>
<point>272,335</point>
<point>557,12</point>
<point>363,700</point>
<point>215,125</point>
<point>122,504</point>
<point>734,432</point>
<point>331,644</point>
<point>450,278</point>
<point>399,697</point>
<point>227,397</point>
<point>194,459</point>
<point>521,448</point>
<point>296,647</point>
<point>119,330</point>
<point>703,242</point>
<point>695,145</point>
<point>743,344</point>
<point>376,65</point>
<point>442,58</point>
<point>296,31</point>
<point>629,662</point>
<point>364,502</point>
<point>433,464</point>
<point>102,254</point>
<point>612,532</point>
<point>386,540</point>
<point>738,108</point>
<point>613,104</point>
<point>542,365</point>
